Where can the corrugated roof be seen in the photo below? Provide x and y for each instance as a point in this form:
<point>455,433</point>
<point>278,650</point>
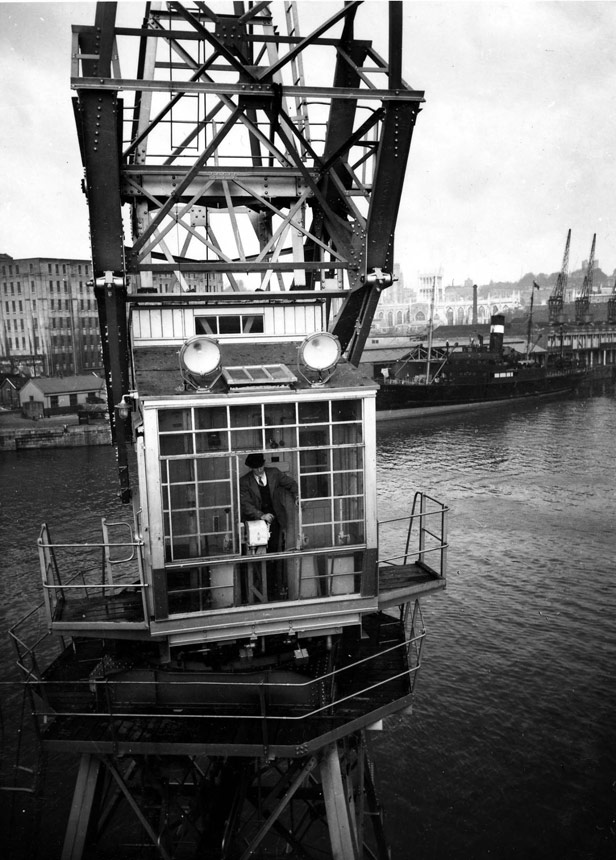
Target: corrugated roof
<point>68,384</point>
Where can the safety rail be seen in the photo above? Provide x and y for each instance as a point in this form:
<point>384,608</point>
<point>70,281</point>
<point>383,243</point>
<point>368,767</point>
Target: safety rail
<point>337,695</point>
<point>96,575</point>
<point>429,519</point>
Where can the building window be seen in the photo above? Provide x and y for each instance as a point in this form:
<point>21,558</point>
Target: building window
<point>53,401</point>
<point>73,399</point>
<point>229,324</point>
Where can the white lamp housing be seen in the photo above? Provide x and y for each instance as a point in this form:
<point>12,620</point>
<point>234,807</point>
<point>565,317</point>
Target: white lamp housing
<point>319,353</point>
<point>200,361</point>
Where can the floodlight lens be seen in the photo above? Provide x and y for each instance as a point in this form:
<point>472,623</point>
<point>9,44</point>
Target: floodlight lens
<point>320,351</point>
<point>200,356</point>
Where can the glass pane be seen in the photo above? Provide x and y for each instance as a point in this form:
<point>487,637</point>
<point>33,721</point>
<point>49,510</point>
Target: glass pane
<point>315,486</point>
<point>216,494</point>
<point>313,413</point>
<point>346,434</point>
<point>346,410</point>
<point>174,419</point>
<point>247,440</point>
<point>183,522</point>
<point>348,459</point>
<point>229,325</point>
<point>348,483</point>
<point>215,440</point>
<point>314,436</point>
<point>181,471</point>
<point>182,496</point>
<point>211,419</point>
<point>179,443</point>
<point>206,325</point>
<point>245,416</point>
<point>277,415</point>
<point>212,469</point>
<point>316,536</point>
<point>355,530</point>
<point>253,324</point>
<point>317,460</point>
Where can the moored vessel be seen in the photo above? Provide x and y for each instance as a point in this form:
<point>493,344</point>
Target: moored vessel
<point>453,378</point>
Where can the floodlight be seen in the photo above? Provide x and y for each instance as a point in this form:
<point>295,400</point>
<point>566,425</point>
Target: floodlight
<point>320,353</point>
<point>200,361</point>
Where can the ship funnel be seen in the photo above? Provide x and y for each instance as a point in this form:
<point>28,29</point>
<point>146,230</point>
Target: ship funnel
<point>497,331</point>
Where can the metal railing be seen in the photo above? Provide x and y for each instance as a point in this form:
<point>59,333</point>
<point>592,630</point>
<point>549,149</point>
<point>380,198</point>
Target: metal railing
<point>95,574</point>
<point>335,696</point>
<point>428,521</point>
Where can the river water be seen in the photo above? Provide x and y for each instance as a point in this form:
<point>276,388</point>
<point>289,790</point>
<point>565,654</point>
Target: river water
<point>511,748</point>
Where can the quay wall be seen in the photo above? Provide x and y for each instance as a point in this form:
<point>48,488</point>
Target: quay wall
<point>18,439</point>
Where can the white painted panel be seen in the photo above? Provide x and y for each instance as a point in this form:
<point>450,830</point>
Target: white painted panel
<point>146,328</point>
<point>278,321</point>
<point>179,322</point>
<point>156,323</point>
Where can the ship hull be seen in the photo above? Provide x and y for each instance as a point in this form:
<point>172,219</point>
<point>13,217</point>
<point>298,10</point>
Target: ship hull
<point>399,400</point>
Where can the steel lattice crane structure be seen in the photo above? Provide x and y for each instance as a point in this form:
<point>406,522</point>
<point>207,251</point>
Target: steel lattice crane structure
<point>219,683</point>
<point>557,299</point>
<point>219,148</point>
<point>582,303</point>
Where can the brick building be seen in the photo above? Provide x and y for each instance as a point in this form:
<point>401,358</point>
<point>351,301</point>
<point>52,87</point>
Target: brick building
<point>49,318</point>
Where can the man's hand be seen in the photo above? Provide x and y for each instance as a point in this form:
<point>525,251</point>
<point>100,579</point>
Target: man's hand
<point>269,518</point>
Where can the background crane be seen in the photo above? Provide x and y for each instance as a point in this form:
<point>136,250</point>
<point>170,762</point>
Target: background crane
<point>557,299</point>
<point>582,303</point>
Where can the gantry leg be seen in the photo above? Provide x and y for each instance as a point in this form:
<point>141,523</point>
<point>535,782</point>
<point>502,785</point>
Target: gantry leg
<point>340,821</point>
<point>81,808</point>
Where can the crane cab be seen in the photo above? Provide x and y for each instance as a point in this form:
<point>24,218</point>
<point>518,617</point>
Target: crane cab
<point>207,568</point>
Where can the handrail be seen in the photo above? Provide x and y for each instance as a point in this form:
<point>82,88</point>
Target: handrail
<point>257,685</point>
<point>439,536</point>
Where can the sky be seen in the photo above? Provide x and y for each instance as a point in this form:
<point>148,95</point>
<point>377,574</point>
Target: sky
<point>515,144</point>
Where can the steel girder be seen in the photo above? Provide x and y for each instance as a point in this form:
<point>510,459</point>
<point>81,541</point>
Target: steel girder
<point>172,807</point>
<point>233,154</point>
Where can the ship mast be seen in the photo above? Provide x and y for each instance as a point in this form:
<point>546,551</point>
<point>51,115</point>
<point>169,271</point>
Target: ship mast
<point>430,330</point>
<point>530,318</point>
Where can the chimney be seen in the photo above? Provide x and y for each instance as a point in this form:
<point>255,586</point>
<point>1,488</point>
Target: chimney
<point>497,331</point>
